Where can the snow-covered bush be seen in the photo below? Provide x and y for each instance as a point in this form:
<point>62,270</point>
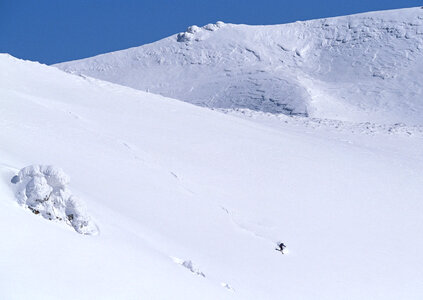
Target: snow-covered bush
<point>193,268</point>
<point>220,24</point>
<point>184,37</point>
<point>44,191</point>
<point>189,34</point>
<point>193,29</point>
<point>189,265</point>
<point>210,27</point>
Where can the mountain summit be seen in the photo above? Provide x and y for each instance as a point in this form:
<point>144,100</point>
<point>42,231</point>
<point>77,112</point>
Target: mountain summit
<point>360,68</point>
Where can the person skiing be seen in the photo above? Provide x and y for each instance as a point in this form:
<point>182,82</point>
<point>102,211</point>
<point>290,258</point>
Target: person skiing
<point>281,247</point>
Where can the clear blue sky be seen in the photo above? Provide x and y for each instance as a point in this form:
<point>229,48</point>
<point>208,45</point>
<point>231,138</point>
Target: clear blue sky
<point>53,31</point>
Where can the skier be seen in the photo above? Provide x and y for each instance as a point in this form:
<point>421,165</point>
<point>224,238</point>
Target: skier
<point>281,247</point>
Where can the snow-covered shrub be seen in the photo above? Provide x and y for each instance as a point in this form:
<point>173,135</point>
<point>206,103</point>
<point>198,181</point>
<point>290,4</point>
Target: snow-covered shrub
<point>76,214</point>
<point>184,37</point>
<point>44,191</point>
<point>193,29</point>
<point>220,24</point>
<point>193,268</point>
<point>189,265</point>
<point>210,27</point>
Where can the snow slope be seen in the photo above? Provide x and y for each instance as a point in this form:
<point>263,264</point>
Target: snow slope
<point>191,202</point>
<point>360,68</point>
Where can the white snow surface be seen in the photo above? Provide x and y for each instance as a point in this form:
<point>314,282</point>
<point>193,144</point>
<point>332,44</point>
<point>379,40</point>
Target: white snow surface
<point>359,68</point>
<point>164,179</point>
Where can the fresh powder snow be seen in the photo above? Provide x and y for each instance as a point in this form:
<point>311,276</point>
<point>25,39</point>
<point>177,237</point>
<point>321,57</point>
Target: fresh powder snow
<point>191,202</point>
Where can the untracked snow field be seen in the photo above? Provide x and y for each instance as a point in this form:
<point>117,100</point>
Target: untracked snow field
<point>191,202</point>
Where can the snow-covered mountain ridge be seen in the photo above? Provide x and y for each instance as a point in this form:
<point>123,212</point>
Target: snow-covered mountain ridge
<point>360,68</point>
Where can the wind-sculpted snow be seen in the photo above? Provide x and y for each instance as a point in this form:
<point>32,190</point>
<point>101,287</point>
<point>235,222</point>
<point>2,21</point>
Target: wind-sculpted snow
<point>364,68</point>
<point>43,190</point>
<point>366,128</point>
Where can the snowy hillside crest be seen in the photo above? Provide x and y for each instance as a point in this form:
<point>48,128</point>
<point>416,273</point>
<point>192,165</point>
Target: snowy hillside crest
<point>358,68</point>
<point>43,190</point>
